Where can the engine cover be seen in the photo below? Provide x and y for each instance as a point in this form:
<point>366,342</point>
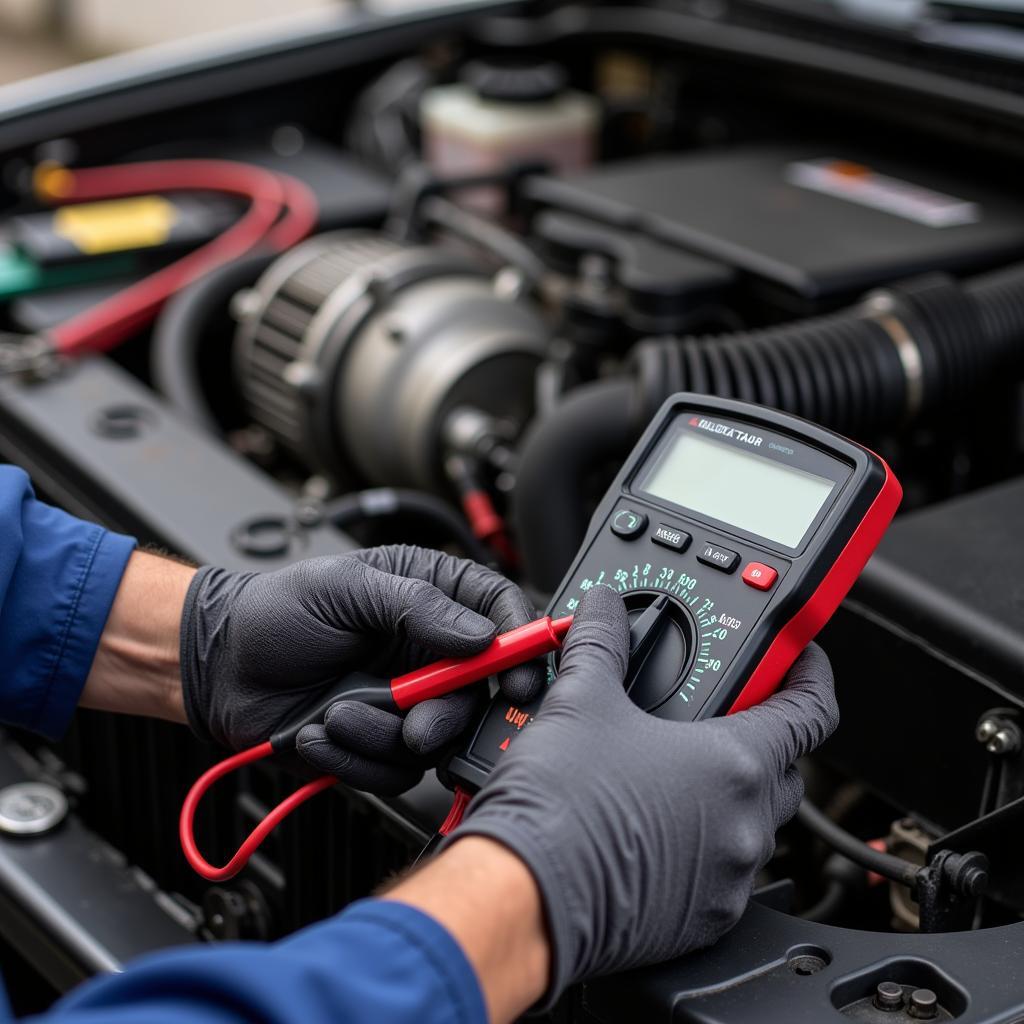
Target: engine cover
<point>807,228</point>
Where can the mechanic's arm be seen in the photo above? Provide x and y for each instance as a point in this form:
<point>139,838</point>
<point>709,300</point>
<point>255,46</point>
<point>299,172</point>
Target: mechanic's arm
<point>137,668</point>
<point>84,618</point>
<point>460,942</point>
<point>236,654</point>
<point>604,840</point>
<point>58,579</point>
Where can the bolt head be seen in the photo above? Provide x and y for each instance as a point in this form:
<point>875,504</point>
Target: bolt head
<point>889,996</point>
<point>309,514</point>
<point>509,284</point>
<point>975,881</point>
<point>924,1004</point>
<point>302,376</point>
<point>1003,741</point>
<point>987,728</point>
<point>245,304</point>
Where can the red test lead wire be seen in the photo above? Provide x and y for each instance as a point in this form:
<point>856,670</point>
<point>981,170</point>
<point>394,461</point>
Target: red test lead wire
<point>515,647</point>
<point>186,832</point>
<point>455,812</point>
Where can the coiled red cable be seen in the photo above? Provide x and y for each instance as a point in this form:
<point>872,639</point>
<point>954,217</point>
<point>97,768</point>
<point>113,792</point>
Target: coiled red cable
<point>532,640</point>
<point>282,211</point>
<point>241,856</point>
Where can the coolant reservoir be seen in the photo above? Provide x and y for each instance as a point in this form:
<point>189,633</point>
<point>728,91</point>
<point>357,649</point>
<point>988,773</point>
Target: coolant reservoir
<point>501,115</point>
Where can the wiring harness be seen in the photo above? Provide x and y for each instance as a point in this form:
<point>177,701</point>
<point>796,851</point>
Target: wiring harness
<point>281,211</point>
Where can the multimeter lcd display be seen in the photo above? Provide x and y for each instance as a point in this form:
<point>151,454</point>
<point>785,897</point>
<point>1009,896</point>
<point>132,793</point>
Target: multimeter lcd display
<point>753,493</point>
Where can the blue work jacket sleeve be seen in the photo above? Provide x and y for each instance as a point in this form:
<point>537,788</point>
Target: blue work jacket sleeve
<point>58,578</point>
<point>377,963</point>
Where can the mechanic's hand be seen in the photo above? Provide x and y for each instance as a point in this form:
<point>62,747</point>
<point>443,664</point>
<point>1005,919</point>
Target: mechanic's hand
<point>644,835</point>
<point>255,647</point>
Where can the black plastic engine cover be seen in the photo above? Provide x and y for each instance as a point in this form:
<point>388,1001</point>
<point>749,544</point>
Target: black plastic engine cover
<point>931,637</point>
<point>773,967</point>
<point>814,226</point>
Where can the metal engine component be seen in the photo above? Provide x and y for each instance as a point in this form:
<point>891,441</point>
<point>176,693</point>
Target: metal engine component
<point>353,349</point>
<point>907,840</point>
<point>31,808</point>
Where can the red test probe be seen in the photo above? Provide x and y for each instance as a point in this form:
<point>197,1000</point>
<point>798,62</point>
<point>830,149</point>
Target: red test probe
<point>533,640</point>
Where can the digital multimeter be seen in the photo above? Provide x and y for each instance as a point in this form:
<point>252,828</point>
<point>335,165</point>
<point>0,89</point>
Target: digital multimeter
<point>732,532</point>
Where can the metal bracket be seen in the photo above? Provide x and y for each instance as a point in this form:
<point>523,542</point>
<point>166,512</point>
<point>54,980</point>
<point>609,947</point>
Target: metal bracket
<point>948,888</point>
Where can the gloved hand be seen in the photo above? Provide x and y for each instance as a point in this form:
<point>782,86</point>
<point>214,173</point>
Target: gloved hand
<point>644,835</point>
<point>255,647</point>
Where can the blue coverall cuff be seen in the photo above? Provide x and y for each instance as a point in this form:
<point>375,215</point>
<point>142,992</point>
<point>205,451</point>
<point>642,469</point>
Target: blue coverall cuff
<point>108,554</point>
<point>437,947</point>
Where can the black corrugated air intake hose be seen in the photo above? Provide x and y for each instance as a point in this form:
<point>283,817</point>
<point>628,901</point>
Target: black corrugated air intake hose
<point>903,351</point>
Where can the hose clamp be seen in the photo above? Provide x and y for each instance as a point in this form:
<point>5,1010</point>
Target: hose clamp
<point>881,307</point>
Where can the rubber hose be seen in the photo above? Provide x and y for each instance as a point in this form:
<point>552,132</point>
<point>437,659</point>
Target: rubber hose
<point>846,371</point>
<point>471,227</point>
<point>845,883</point>
<point>1000,299</point>
<point>842,370</point>
<point>829,905</point>
<point>885,864</point>
<point>179,332</point>
<point>594,424</point>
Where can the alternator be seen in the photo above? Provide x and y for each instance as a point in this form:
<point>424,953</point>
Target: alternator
<point>352,351</point>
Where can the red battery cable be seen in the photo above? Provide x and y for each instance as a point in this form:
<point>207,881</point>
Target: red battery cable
<point>282,211</point>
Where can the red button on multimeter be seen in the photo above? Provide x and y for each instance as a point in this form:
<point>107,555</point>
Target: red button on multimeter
<point>759,576</point>
<point>800,507</point>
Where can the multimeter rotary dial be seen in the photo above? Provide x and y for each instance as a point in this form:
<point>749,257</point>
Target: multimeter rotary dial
<point>661,647</point>
<point>674,631</point>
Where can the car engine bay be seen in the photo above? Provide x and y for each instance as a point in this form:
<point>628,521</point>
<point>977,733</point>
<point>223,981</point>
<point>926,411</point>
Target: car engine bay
<point>445,267</point>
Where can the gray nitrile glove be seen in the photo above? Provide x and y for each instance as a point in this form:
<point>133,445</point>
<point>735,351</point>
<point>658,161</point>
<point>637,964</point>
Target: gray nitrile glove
<point>644,835</point>
<point>256,647</point>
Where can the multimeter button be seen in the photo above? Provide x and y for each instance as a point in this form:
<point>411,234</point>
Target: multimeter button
<point>670,537</point>
<point>629,524</point>
<point>718,558</point>
<point>759,576</point>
